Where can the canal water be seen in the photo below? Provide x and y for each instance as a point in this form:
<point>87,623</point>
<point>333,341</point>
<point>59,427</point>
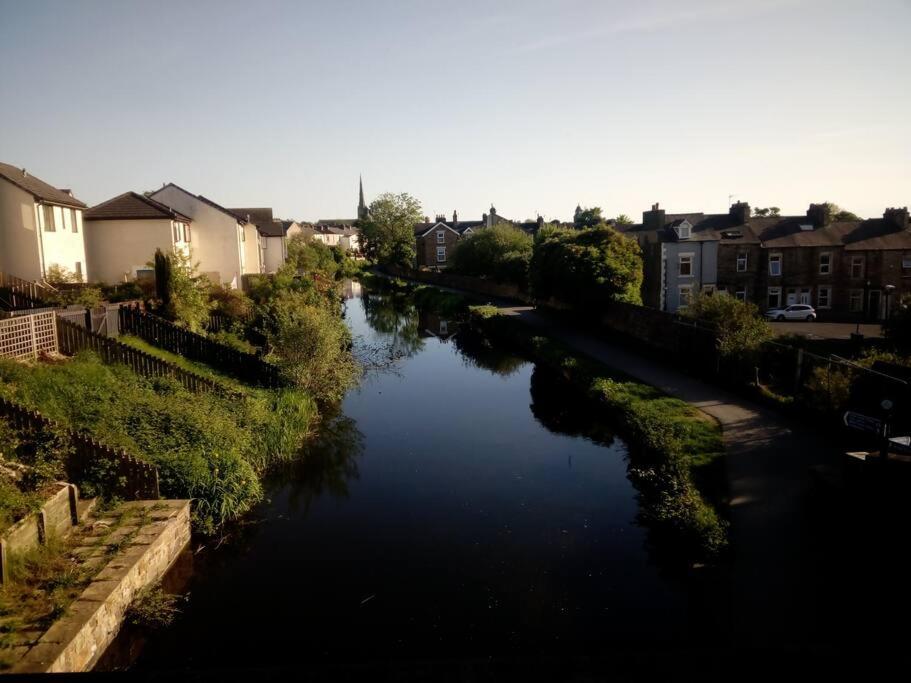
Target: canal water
<point>463,503</point>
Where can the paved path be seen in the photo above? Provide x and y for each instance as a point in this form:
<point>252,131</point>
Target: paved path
<point>777,581</point>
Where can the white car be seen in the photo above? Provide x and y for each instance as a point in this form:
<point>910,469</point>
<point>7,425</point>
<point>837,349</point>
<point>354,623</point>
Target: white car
<point>793,312</point>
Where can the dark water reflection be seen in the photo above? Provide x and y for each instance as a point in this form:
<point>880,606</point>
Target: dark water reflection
<point>462,504</point>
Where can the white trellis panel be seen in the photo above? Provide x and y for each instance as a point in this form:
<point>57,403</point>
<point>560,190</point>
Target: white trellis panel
<point>27,336</point>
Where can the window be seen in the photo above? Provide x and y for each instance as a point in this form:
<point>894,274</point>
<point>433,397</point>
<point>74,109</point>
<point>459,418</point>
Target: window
<point>824,297</point>
<point>857,266</point>
<point>73,218</point>
<point>775,265</point>
<point>685,265</point>
<point>742,262</point>
<point>825,263</point>
<point>708,290</point>
<point>186,233</point>
<point>683,231</point>
<point>441,254</point>
<point>441,236</point>
<point>906,263</point>
<point>686,296</point>
<point>856,301</point>
<point>741,294</point>
<point>774,298</point>
<point>49,224</point>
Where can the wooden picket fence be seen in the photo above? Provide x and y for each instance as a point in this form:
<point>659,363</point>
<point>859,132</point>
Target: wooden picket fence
<point>125,476</point>
<point>18,294</point>
<point>73,337</point>
<point>166,335</point>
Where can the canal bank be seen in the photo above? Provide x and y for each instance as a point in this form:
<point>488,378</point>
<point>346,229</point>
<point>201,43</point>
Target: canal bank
<point>463,504</point>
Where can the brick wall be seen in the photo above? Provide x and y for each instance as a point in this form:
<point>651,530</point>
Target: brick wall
<point>427,247</point>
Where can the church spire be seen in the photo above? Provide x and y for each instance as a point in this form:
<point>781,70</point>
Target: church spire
<point>361,204</point>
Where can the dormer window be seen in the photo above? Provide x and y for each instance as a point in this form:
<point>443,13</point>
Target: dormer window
<point>683,230</point>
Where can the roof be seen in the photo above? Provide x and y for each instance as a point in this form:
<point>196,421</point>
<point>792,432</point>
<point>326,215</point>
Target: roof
<point>705,228</point>
<point>347,222</point>
<point>39,189</point>
<point>459,227</point>
<point>204,200</point>
<point>130,206</point>
<point>335,230</point>
<point>262,218</point>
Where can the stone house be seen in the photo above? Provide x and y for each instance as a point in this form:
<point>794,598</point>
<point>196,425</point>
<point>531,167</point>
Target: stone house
<point>40,227</point>
<point>123,233</point>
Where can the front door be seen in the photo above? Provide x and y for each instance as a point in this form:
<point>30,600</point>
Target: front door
<point>874,311</point>
<point>792,297</point>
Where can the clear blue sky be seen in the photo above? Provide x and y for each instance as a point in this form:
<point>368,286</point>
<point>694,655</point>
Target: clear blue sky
<point>532,106</point>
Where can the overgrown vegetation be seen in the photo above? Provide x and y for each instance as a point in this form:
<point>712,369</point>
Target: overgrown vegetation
<point>153,609</point>
<point>585,267</point>
<point>676,463</point>
<point>501,252</point>
<point>740,330</point>
<point>206,446</point>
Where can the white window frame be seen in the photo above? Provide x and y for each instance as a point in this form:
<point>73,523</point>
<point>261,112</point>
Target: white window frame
<point>825,268</point>
<point>47,212</point>
<point>769,292</point>
<point>684,231</point>
<point>741,294</point>
<point>441,237</point>
<point>73,218</point>
<point>824,297</point>
<point>775,258</point>
<point>686,257</point>
<point>441,254</point>
<point>858,261</point>
<point>743,258</point>
<point>689,296</point>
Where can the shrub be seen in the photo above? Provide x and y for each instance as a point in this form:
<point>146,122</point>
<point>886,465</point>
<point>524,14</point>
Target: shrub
<point>585,267</point>
<point>188,303</point>
<point>60,275</point>
<point>739,328</point>
<point>311,344</point>
<point>502,252</point>
<point>152,609</point>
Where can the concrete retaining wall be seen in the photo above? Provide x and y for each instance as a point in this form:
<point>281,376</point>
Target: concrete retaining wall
<point>76,641</point>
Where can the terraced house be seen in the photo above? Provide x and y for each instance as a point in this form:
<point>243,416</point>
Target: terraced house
<point>847,270</point>
<point>40,227</point>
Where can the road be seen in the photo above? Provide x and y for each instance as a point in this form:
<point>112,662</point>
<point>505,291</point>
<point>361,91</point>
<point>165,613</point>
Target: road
<point>825,330</point>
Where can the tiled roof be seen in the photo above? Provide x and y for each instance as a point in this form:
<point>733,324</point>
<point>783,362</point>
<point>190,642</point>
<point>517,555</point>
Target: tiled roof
<point>344,222</point>
<point>459,226</point>
<point>132,205</point>
<point>38,188</point>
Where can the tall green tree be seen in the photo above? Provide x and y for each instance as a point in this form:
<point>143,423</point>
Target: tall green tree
<point>162,278</point>
<point>587,217</point>
<point>586,267</point>
<point>502,252</point>
<point>388,232</point>
<point>623,219</point>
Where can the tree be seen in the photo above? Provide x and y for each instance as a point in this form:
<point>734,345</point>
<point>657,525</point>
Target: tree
<point>838,214</point>
<point>760,213</point>
<point>162,278</point>
<point>388,232</point>
<point>739,328</point>
<point>772,211</point>
<point>502,252</point>
<point>587,218</point>
<point>623,219</point>
<point>586,267</point>
<point>188,294</point>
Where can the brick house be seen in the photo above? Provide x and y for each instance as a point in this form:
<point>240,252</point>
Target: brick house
<point>847,270</point>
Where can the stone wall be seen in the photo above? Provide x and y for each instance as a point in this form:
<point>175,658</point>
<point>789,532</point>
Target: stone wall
<point>76,641</point>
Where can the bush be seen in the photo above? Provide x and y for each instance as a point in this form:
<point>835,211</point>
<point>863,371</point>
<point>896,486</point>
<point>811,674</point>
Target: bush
<point>231,303</point>
<point>311,344</point>
<point>501,252</point>
<point>739,328</point>
<point>585,267</point>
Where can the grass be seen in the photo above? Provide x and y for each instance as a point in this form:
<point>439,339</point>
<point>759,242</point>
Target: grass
<point>153,609</point>
<point>207,446</point>
<point>195,367</point>
<point>676,451</point>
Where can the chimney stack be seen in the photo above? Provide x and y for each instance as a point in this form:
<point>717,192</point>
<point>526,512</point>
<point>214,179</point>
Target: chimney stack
<point>654,219</point>
<point>455,216</point>
<point>897,218</point>
<point>819,214</point>
<point>740,213</point>
<point>441,218</point>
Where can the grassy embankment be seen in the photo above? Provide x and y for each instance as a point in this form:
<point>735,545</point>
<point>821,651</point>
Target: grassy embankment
<point>676,459</point>
<point>208,446</point>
